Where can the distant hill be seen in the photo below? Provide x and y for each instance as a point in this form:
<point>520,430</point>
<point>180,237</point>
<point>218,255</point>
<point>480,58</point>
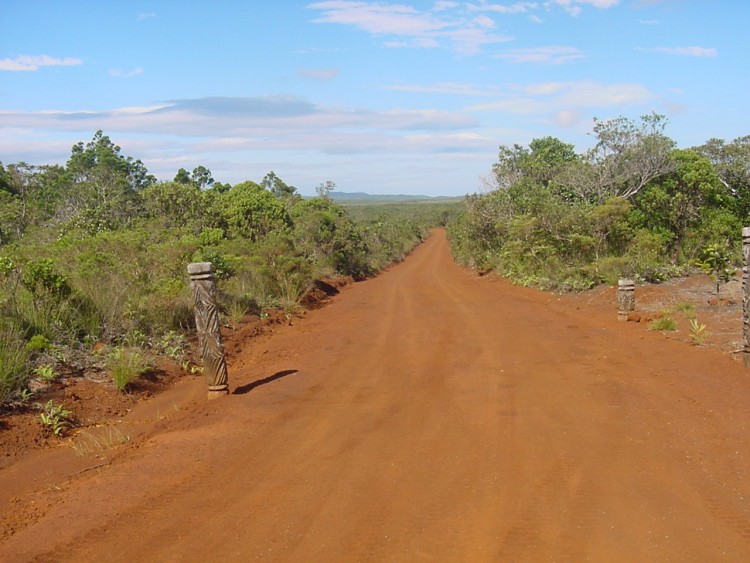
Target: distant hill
<point>361,197</point>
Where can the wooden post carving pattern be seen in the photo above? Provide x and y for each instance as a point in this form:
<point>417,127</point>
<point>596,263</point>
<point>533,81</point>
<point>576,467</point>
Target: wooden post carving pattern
<point>625,298</point>
<point>208,328</point>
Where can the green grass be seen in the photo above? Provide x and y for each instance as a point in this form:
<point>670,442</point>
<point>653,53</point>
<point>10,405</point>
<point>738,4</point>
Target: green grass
<point>126,365</point>
<point>664,324</point>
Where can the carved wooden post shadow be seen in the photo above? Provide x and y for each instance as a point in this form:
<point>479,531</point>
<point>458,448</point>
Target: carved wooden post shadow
<point>208,327</point>
<point>746,294</point>
<point>625,298</point>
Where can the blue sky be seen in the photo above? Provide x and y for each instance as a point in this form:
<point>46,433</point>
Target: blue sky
<point>383,97</point>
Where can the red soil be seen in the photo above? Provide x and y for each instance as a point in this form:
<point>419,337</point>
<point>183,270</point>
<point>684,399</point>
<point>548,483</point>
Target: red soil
<point>427,414</point>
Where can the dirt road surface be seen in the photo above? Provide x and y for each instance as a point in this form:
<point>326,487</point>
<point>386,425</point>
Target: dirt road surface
<point>425,415</point>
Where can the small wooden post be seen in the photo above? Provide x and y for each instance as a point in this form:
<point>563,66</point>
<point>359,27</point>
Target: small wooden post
<point>746,294</point>
<point>625,298</point>
<point>207,324</point>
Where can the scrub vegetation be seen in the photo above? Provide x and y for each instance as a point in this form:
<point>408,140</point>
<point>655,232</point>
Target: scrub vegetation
<point>632,206</point>
<point>93,256</point>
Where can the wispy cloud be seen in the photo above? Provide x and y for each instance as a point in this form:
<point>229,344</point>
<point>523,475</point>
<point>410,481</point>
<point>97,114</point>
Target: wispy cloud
<point>565,102</point>
<point>443,5</point>
<point>701,52</point>
<point>547,55</point>
<point>406,26</point>
<point>451,88</point>
<point>280,117</point>
<point>648,22</point>
<point>573,7</point>
<point>146,16</point>
<point>117,73</point>
<point>30,63</point>
<point>321,74</point>
<point>517,8</point>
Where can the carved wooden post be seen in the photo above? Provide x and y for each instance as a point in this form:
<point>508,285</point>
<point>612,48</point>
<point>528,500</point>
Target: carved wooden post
<point>746,294</point>
<point>625,298</point>
<point>207,325</point>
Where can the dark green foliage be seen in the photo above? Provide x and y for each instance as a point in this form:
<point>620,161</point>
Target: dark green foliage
<point>632,206</point>
<point>252,212</point>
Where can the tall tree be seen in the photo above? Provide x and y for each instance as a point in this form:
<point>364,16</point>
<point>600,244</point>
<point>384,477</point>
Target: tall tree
<point>277,186</point>
<point>732,164</point>
<point>104,185</point>
<point>626,157</point>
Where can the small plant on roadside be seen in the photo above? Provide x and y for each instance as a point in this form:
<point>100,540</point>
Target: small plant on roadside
<point>38,342</point>
<point>236,310</point>
<point>688,309</point>
<point>698,332</point>
<point>87,443</point>
<point>125,365</point>
<point>718,264</point>
<point>56,418</point>
<point>45,373</point>
<point>172,344</point>
<point>664,323</point>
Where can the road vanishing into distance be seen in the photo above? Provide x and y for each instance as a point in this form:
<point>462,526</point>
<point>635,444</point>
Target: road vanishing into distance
<point>427,414</point>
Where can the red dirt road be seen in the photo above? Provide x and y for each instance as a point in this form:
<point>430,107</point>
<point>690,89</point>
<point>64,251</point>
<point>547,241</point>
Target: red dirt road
<point>425,415</point>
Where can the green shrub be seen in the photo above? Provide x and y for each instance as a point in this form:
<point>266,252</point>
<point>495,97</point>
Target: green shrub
<point>56,418</point>
<point>125,365</point>
<point>664,323</point>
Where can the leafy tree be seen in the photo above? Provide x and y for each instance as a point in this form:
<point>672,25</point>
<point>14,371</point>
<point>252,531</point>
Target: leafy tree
<point>324,232</point>
<point>104,185</point>
<point>202,177</point>
<point>732,164</point>
<point>324,189</point>
<point>542,163</point>
<point>36,192</point>
<point>4,179</point>
<point>252,212</point>
<point>677,202</point>
<point>173,203</point>
<point>277,186</point>
<point>102,153</point>
<point>182,177</point>
<point>626,157</point>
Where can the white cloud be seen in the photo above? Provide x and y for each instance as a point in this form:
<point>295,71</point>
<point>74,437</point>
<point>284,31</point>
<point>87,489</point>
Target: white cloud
<point>701,52</point>
<point>321,74</point>
<point>573,7</point>
<point>441,6</point>
<point>452,88</point>
<point>595,94</point>
<point>547,55</point>
<point>601,4</point>
<point>517,8</point>
<point>405,26</point>
<point>146,16</point>
<point>29,63</point>
<point>285,119</point>
<point>117,73</point>
<point>564,102</point>
<point>567,118</point>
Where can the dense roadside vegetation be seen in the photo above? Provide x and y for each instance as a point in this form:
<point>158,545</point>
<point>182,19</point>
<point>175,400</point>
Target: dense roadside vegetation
<point>634,205</point>
<point>93,257</point>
